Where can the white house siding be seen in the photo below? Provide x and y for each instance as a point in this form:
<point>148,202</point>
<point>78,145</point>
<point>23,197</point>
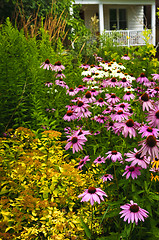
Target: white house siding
<point>136,18</point>
<point>135,15</point>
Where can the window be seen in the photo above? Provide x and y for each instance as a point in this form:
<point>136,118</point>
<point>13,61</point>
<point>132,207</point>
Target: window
<point>117,19</point>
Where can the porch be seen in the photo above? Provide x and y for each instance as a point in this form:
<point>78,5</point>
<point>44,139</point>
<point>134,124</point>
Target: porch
<point>128,37</point>
<point>124,14</point>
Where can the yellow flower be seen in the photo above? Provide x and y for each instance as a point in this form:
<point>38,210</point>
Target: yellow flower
<point>127,37</point>
<point>155,163</point>
<point>156,178</point>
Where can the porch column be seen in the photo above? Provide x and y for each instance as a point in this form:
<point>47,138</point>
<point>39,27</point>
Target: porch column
<point>101,18</point>
<point>72,30</point>
<point>153,23</point>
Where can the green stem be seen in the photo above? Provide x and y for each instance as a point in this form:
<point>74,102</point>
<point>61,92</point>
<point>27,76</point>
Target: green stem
<point>92,223</point>
<point>116,181</point>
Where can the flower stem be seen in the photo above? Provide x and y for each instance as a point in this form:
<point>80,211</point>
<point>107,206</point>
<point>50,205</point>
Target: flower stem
<point>92,223</point>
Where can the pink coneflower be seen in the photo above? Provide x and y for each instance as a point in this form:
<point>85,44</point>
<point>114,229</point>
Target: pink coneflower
<point>122,106</point>
<point>81,131</point>
<point>127,128</point>
<point>97,58</point>
<point>135,158</point>
<point>68,130</point>
<point>96,133</point>
<point>142,78</point>
<point>125,57</point>
<point>132,212</point>
<point>76,141</point>
<point>58,66</point>
<point>149,84</point>
<point>110,126</point>
<point>147,131</point>
<point>48,84</point>
<point>84,65</point>
<point>99,160</point>
<point>146,102</point>
<point>94,92</point>
<point>88,98</point>
<point>81,107</point>
<point>46,65</point>
<point>83,162</point>
<point>71,92</point>
<point>107,110</point>
<point>59,74</point>
<point>100,118</point>
<point>112,98</point>
<point>84,114</point>
<point>155,76</point>
<point>139,91</point>
<point>154,92</point>
<point>124,83</point>
<point>119,115</point>
<point>107,177</point>
<point>70,115</point>
<point>128,96</point>
<point>132,171</point>
<point>93,194</point>
<point>112,82</point>
<point>80,88</point>
<point>114,156</point>
<point>88,78</point>
<point>61,83</point>
<point>100,102</point>
<point>150,147</point>
<point>153,117</point>
<point>50,110</point>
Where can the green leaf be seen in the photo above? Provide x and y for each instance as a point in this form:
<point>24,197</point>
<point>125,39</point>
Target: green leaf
<point>104,214</point>
<point>86,228</point>
<point>154,196</point>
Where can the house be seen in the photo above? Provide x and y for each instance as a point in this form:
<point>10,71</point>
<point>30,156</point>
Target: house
<point>125,16</point>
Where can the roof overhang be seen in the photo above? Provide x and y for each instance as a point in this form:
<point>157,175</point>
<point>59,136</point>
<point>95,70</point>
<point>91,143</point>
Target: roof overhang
<point>125,2</point>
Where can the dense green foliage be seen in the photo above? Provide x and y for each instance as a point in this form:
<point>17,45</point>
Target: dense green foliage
<point>40,182</point>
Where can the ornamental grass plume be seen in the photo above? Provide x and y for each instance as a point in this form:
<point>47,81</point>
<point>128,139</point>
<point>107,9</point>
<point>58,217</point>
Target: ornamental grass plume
<point>93,194</point>
<point>133,213</point>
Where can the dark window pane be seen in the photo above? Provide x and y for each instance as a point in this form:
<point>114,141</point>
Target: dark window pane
<point>113,19</point>
<point>113,14</point>
<point>122,25</point>
<point>122,19</point>
<point>122,14</point>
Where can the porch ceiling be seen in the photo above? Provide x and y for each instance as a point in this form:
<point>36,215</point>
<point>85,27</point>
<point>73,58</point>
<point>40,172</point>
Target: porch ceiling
<point>126,2</point>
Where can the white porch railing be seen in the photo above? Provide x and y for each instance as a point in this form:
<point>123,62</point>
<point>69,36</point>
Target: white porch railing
<point>127,37</point>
